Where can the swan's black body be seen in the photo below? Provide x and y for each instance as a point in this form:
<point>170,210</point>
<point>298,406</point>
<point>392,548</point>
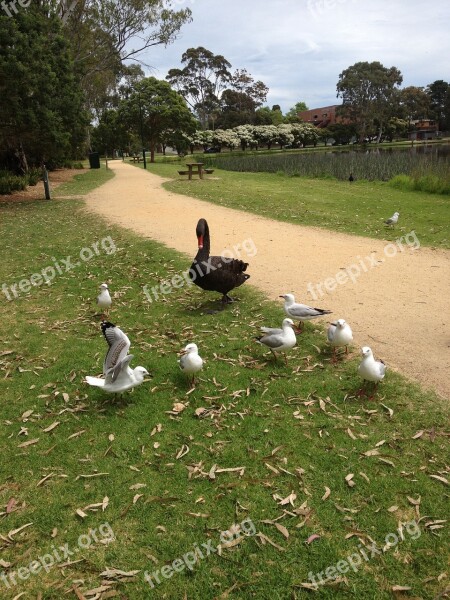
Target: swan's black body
<point>215,273</point>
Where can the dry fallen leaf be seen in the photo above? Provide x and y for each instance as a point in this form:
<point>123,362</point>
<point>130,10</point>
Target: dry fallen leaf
<point>439,478</point>
<point>349,480</point>
<point>51,427</point>
<point>327,493</point>
<point>28,443</point>
<point>312,537</point>
<point>400,588</point>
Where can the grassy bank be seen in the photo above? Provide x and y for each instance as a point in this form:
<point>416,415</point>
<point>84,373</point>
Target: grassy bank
<point>358,208</point>
<point>75,460</point>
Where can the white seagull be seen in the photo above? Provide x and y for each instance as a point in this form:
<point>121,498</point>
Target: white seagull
<point>302,312</point>
<point>104,299</point>
<point>371,369</point>
<point>190,361</point>
<point>393,220</point>
<point>118,377</point>
<point>339,334</point>
<point>279,340</point>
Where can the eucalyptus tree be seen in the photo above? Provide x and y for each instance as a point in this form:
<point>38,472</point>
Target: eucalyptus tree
<point>103,34</point>
<point>152,109</point>
<point>439,94</point>
<point>201,81</point>
<point>368,90</point>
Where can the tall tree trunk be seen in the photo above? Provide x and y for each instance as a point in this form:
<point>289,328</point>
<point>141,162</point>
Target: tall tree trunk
<point>22,163</point>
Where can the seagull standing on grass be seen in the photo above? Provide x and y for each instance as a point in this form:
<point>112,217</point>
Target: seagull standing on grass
<point>339,334</point>
<point>393,220</point>
<point>118,377</point>
<point>371,369</point>
<point>104,299</point>
<point>279,340</point>
<point>302,312</point>
<point>190,361</point>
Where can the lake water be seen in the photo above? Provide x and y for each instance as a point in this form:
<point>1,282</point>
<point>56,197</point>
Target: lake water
<point>438,150</point>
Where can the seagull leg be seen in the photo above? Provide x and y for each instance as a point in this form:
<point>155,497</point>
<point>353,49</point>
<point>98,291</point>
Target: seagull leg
<point>285,358</point>
<point>362,391</point>
<point>334,357</point>
<point>375,388</point>
<point>299,327</point>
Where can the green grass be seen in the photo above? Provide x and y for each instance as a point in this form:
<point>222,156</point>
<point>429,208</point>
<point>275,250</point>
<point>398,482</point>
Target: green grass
<point>296,428</point>
<point>83,183</point>
<point>358,208</point>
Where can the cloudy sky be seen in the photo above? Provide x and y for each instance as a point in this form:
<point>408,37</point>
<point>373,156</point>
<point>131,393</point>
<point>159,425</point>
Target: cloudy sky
<point>298,48</point>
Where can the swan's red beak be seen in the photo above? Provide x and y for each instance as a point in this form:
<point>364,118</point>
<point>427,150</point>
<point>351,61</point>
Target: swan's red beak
<point>200,242</point>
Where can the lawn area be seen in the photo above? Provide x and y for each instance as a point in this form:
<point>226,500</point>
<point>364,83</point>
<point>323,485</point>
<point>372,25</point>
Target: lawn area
<point>305,476</point>
<point>358,208</point>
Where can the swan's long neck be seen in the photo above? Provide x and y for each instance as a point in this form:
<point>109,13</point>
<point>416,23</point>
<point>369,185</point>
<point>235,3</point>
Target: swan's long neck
<point>205,241</point>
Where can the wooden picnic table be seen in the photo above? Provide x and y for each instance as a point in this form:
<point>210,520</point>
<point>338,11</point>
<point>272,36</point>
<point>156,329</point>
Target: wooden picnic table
<point>197,171</point>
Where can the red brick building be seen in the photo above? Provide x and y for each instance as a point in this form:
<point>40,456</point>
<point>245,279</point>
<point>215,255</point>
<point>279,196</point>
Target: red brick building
<point>424,129</point>
<point>321,117</point>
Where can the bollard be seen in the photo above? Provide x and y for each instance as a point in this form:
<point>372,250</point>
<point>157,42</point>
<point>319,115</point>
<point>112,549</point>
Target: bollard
<point>46,184</point>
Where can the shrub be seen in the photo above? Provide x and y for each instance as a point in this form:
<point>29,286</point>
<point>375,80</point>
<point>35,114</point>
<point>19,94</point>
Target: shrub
<point>11,183</point>
<point>34,175</point>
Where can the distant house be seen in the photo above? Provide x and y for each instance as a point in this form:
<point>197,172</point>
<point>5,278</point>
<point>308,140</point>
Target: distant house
<point>424,129</point>
<point>321,117</point>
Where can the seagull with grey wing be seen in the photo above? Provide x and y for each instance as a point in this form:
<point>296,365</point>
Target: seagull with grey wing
<point>279,340</point>
<point>104,299</point>
<point>302,312</point>
<point>191,362</point>
<point>392,220</point>
<point>339,334</point>
<point>371,370</point>
<point>118,376</point>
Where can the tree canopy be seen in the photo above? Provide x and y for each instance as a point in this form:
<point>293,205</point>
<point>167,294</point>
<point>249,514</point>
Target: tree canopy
<point>152,110</point>
<point>367,90</point>
<point>213,92</point>
<point>41,117</point>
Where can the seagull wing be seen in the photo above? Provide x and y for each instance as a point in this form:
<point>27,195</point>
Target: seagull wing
<point>331,331</point>
<point>119,368</point>
<point>118,343</point>
<point>302,311</point>
<point>273,341</point>
<point>271,330</point>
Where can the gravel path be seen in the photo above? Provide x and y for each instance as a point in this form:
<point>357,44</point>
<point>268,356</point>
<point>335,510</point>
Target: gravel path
<point>396,300</point>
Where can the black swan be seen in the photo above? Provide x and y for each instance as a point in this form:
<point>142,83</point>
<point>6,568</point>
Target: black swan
<point>215,273</point>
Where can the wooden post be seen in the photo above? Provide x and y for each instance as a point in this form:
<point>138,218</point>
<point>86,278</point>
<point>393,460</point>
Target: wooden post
<point>46,184</point>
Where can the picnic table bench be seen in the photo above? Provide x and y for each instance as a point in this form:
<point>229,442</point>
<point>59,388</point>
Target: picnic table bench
<point>195,169</point>
<point>136,157</point>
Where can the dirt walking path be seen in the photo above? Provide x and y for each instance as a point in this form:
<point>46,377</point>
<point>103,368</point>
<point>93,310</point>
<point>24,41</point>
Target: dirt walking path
<point>400,307</point>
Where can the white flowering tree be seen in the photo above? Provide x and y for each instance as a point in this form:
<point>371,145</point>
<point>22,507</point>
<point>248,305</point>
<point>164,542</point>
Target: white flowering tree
<point>201,138</point>
<point>267,135</point>
<point>285,135</point>
<point>246,135</point>
<point>305,134</point>
<point>225,137</point>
